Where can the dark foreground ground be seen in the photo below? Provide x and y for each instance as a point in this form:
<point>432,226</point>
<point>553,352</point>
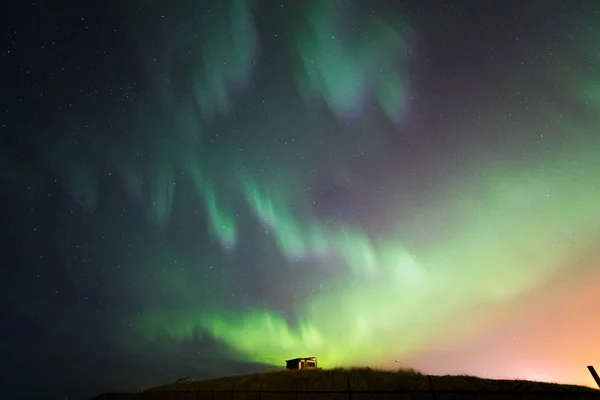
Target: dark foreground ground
<point>357,384</point>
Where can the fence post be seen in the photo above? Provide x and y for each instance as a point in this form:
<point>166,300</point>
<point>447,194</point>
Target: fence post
<point>296,392</point>
<point>198,394</point>
<point>232,391</point>
<point>349,391</point>
<point>431,387</point>
<point>260,392</point>
<point>594,374</point>
<point>213,395</point>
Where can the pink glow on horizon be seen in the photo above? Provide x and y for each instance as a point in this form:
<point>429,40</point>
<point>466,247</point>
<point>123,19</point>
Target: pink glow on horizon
<point>553,339</point>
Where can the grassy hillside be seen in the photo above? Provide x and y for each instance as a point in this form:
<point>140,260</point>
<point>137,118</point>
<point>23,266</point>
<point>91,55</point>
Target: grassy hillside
<point>351,383</point>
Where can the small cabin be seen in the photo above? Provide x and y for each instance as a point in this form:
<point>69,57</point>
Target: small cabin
<point>301,363</point>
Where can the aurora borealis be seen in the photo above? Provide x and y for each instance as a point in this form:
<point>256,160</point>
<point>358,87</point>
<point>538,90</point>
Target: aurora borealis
<point>209,188</point>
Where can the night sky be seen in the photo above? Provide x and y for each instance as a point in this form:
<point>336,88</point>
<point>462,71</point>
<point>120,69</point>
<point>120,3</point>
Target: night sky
<point>208,188</point>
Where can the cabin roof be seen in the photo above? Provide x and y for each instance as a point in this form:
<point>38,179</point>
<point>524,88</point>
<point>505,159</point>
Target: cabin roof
<point>301,358</point>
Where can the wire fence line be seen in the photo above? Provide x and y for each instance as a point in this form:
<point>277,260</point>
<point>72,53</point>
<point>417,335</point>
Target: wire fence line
<point>430,392</point>
<point>358,394</point>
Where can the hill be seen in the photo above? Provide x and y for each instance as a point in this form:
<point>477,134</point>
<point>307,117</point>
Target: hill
<point>358,384</point>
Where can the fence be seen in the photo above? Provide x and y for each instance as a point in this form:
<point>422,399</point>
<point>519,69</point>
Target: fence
<point>350,393</point>
<point>260,394</point>
<point>356,394</point>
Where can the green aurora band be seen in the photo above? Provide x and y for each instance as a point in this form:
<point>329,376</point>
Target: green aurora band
<point>511,231</point>
<point>223,33</point>
<point>509,226</point>
<point>342,71</point>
